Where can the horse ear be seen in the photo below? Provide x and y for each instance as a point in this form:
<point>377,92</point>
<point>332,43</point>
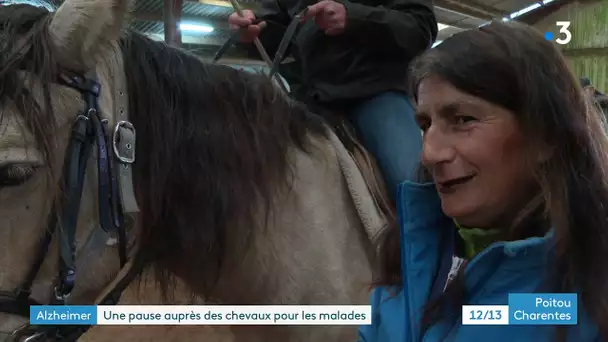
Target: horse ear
<point>81,30</point>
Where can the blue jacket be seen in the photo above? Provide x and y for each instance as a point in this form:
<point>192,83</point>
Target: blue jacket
<point>502,268</point>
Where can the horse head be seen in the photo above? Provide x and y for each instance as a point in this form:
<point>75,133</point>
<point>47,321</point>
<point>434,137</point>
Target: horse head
<point>40,54</point>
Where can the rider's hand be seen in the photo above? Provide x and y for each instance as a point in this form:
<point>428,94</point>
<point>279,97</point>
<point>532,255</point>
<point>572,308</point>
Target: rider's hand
<point>329,15</point>
<point>249,30</point>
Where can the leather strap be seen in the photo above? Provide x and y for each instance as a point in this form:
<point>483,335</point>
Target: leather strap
<point>285,42</point>
<point>124,139</point>
<point>279,54</point>
<point>89,130</point>
<point>234,38</point>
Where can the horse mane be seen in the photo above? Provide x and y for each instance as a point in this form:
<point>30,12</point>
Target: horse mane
<point>212,146</point>
<point>212,151</point>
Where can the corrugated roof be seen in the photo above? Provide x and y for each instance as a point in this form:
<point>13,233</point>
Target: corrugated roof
<point>458,14</point>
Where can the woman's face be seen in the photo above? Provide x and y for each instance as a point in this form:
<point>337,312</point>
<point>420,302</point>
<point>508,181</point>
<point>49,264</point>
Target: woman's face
<point>476,153</point>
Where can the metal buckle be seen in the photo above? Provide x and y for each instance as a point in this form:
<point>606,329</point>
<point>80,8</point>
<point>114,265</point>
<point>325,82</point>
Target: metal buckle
<point>60,296</point>
<point>125,124</point>
<point>20,334</point>
<point>33,337</point>
<point>64,287</point>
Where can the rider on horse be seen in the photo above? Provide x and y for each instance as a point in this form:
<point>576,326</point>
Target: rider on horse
<point>352,60</point>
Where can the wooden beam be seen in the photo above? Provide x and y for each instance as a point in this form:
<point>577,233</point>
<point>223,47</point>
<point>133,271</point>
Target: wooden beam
<point>460,26</point>
<point>476,6</point>
<point>468,10</point>
<point>171,15</point>
<point>586,52</point>
<point>177,14</point>
<point>540,13</point>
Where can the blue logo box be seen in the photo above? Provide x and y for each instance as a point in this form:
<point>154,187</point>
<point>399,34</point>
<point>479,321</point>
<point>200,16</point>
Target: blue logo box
<point>543,308</point>
<point>63,314</point>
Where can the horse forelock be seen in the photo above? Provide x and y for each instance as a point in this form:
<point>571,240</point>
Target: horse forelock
<point>26,60</point>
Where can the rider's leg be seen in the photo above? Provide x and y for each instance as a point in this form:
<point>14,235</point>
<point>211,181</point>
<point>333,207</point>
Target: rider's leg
<point>386,126</point>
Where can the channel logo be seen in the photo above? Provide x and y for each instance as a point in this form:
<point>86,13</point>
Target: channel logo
<point>564,37</point>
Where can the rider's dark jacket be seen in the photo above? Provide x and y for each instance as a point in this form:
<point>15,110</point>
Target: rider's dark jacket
<point>371,56</point>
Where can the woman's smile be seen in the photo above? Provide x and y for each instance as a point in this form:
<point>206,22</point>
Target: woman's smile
<point>450,186</point>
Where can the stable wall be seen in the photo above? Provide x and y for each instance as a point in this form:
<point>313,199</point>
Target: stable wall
<point>588,49</point>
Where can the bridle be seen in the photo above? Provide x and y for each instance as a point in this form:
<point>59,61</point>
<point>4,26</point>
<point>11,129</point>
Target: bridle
<point>116,205</point>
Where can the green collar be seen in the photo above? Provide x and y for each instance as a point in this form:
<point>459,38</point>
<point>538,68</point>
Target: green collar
<point>476,239</point>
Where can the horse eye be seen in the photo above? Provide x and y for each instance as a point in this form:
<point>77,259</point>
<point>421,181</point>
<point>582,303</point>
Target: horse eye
<point>15,174</point>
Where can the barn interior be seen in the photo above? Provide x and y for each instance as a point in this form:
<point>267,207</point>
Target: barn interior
<point>201,27</point>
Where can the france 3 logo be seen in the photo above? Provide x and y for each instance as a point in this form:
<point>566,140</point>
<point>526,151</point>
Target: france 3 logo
<point>564,37</point>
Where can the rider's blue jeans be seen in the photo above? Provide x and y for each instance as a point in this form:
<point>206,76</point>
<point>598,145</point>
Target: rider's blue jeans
<point>386,126</point>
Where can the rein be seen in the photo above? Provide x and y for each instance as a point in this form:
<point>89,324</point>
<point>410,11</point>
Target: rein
<point>287,39</point>
<point>116,202</point>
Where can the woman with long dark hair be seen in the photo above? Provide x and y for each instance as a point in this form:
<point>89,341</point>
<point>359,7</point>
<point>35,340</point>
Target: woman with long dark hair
<point>517,200</point>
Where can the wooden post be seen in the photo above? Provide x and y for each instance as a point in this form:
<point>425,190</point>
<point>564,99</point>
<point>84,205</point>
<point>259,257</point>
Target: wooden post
<point>172,12</point>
